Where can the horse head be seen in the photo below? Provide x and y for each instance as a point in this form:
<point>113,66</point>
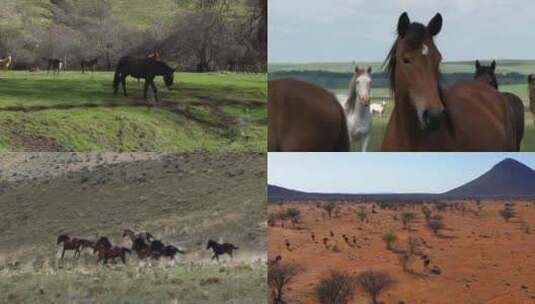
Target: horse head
<point>361,83</point>
<point>486,74</point>
<point>62,238</point>
<point>413,68</point>
<point>211,244</point>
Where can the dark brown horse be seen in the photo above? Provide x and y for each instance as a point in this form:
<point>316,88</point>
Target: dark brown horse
<point>69,244</point>
<point>531,89</point>
<point>106,251</point>
<point>466,116</point>
<point>304,118</point>
<point>147,69</point>
<point>219,249</point>
<point>89,65</point>
<point>53,63</point>
<point>487,74</point>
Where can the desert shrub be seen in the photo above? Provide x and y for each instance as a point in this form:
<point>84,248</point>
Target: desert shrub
<point>407,218</point>
<point>436,225</point>
<point>272,220</point>
<point>389,238</point>
<point>374,282</point>
<point>338,288</point>
<point>329,208</point>
<point>427,212</point>
<point>362,214</point>
<point>507,213</point>
<point>279,276</point>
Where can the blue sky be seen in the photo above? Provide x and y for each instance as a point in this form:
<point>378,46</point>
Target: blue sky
<point>364,30</point>
<point>382,172</point>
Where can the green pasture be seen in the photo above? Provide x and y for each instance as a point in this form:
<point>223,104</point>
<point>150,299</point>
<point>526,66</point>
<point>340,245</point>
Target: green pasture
<point>218,111</point>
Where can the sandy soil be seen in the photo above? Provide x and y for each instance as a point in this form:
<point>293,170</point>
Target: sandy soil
<point>483,258</point>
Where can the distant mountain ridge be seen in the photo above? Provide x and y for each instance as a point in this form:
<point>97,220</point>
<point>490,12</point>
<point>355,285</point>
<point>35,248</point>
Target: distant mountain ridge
<point>509,179</point>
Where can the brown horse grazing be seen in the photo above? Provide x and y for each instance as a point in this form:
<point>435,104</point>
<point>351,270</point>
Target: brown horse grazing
<point>106,251</point>
<point>466,116</point>
<point>531,89</point>
<point>69,244</point>
<point>219,249</point>
<point>304,118</point>
<point>487,74</point>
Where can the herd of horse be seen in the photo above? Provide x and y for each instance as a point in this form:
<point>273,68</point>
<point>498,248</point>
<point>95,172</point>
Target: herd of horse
<point>147,68</point>
<point>143,244</point>
<point>468,115</point>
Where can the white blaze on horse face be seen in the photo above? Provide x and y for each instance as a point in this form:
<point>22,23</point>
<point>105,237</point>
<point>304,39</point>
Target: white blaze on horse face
<point>425,50</point>
<point>363,87</point>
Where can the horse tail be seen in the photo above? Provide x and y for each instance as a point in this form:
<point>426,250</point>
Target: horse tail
<point>343,144</point>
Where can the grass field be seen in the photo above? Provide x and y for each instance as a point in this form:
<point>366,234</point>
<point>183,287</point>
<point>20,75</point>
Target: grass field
<point>75,112</point>
<point>182,199</point>
<point>380,122</point>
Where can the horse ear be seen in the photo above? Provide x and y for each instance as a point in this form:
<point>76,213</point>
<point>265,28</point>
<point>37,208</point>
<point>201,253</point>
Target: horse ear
<point>478,65</point>
<point>493,65</point>
<point>435,25</point>
<point>403,24</point>
<point>369,70</point>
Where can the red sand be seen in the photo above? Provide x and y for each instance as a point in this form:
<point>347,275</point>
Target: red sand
<point>483,258</point>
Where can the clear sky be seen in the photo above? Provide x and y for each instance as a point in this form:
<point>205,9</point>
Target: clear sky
<point>382,172</point>
<point>364,30</point>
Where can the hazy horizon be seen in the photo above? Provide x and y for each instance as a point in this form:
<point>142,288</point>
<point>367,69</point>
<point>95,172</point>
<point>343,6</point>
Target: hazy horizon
<point>379,173</point>
<point>319,31</point>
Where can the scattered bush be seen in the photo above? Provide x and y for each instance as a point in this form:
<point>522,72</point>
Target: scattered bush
<point>507,213</point>
<point>436,225</point>
<point>407,218</point>
<point>374,282</point>
<point>362,214</point>
<point>338,288</point>
<point>279,276</point>
<point>389,238</point>
<point>329,207</point>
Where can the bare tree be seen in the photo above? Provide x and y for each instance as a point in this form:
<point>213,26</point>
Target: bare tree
<point>338,288</point>
<point>374,282</point>
<point>279,276</point>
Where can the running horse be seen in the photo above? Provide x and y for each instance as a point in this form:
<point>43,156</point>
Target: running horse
<point>69,244</point>
<point>487,74</point>
<point>531,89</point>
<point>5,64</point>
<point>137,235</point>
<point>303,117</point>
<point>106,251</point>
<point>220,249</point>
<point>466,116</point>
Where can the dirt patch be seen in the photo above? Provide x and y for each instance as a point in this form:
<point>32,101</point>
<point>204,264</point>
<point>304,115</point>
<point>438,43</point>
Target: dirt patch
<point>35,142</point>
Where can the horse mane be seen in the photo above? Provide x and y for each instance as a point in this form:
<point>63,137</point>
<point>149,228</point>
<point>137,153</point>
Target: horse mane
<point>351,99</point>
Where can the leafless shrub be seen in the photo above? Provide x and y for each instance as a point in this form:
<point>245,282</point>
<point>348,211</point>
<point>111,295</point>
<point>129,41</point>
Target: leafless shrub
<point>338,288</point>
<point>329,208</point>
<point>407,218</point>
<point>507,213</point>
<point>374,282</point>
<point>279,276</point>
<point>436,225</point>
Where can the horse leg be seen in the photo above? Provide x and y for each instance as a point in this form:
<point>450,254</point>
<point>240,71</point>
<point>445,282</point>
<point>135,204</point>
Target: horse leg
<point>154,90</point>
<point>63,253</point>
<point>365,142</point>
<point>123,82</point>
<point>146,89</point>
<point>123,258</point>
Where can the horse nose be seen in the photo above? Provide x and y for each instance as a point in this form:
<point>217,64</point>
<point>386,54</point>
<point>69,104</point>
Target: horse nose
<point>432,119</point>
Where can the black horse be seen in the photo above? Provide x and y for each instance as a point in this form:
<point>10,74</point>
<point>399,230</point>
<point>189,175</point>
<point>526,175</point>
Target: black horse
<point>220,249</point>
<point>487,74</point>
<point>147,69</point>
<point>159,249</point>
<point>53,63</point>
<point>89,65</point>
<point>69,244</point>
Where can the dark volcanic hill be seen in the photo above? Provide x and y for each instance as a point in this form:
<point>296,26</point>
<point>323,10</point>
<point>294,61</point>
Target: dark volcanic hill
<point>509,178</point>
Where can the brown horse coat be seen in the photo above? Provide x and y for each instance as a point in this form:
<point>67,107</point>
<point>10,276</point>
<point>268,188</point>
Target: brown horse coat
<point>478,119</point>
<point>304,118</point>
<point>531,89</point>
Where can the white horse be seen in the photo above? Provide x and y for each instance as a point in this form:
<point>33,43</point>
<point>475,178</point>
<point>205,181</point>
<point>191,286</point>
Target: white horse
<point>357,107</point>
<point>5,64</point>
<point>378,108</point>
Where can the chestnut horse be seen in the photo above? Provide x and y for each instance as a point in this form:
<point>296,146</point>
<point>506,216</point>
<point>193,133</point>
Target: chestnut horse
<point>466,116</point>
<point>303,117</point>
<point>487,74</point>
<point>531,89</point>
